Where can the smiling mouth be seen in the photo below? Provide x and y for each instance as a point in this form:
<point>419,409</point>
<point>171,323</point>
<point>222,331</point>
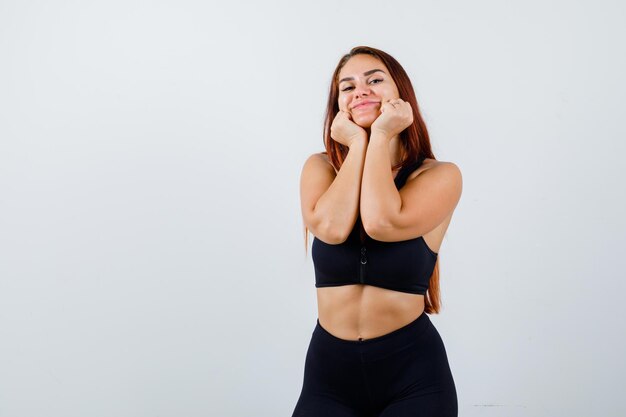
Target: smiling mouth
<point>360,106</point>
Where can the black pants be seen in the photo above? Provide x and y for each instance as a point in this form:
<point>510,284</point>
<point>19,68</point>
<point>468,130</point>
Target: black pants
<point>403,373</point>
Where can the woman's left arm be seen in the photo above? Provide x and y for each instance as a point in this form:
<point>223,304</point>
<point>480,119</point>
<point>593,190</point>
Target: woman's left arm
<point>390,215</point>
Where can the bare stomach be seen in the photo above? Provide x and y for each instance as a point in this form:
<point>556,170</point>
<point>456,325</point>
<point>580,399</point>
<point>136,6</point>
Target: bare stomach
<point>354,312</point>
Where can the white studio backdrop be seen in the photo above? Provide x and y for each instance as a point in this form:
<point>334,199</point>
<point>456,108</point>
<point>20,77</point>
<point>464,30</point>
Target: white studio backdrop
<point>151,251</point>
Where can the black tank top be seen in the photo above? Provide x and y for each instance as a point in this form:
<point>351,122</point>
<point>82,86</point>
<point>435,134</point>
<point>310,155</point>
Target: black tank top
<point>404,266</point>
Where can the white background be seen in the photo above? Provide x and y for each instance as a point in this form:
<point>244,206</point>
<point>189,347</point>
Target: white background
<point>151,250</point>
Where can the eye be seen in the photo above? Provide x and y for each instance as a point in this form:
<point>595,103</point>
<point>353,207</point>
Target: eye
<point>347,88</point>
<point>379,80</point>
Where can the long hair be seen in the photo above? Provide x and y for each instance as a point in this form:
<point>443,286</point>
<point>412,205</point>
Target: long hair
<point>414,140</point>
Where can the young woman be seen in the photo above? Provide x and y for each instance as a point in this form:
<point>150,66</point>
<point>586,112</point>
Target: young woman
<point>378,204</point>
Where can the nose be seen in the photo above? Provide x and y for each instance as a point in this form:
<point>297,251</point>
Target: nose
<point>361,90</point>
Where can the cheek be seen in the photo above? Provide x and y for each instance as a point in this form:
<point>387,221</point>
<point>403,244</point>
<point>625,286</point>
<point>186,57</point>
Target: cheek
<point>391,92</point>
<point>343,103</point>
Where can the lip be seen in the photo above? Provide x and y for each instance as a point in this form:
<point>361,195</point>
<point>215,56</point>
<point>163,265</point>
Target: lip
<point>364,103</point>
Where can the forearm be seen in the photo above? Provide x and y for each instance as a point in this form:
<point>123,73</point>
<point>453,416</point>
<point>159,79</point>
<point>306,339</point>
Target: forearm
<point>380,199</point>
<point>339,205</point>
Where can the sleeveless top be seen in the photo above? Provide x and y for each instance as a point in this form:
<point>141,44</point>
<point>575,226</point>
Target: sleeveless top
<point>404,266</point>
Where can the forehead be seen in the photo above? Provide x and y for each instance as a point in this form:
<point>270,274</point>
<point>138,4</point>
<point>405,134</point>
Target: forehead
<point>358,64</point>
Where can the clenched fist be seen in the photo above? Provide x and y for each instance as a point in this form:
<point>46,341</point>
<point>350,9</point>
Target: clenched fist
<point>396,115</point>
<point>344,130</point>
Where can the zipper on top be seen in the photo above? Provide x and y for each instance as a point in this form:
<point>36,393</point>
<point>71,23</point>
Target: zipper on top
<point>362,266</point>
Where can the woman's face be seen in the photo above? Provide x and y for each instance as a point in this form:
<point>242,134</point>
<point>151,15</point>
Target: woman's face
<point>364,84</point>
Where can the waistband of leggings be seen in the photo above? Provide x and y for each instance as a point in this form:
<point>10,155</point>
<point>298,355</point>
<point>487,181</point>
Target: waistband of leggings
<point>401,336</point>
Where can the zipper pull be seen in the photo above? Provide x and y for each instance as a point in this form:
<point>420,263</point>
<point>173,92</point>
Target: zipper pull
<point>362,266</point>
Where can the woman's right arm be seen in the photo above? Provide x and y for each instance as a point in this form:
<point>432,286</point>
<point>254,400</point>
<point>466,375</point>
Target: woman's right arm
<point>329,201</point>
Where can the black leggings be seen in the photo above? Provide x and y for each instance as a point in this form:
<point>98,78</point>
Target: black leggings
<point>400,374</point>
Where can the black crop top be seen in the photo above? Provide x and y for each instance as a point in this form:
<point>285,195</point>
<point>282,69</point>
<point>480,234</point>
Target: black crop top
<point>404,266</point>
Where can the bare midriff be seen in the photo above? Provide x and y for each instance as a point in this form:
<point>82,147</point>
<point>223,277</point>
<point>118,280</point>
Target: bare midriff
<point>360,312</point>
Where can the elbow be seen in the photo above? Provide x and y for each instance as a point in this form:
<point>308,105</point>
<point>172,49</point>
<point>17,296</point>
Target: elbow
<point>332,234</point>
<point>326,229</point>
<point>377,229</point>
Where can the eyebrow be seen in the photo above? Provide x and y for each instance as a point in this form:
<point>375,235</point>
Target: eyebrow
<point>366,73</point>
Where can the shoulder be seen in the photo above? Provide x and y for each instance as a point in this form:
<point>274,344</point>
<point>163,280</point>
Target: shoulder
<point>319,161</point>
<point>438,171</point>
<point>439,166</point>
